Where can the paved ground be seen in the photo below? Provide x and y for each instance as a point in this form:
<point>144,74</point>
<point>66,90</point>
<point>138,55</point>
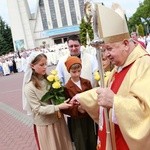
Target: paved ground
<point>16,131</point>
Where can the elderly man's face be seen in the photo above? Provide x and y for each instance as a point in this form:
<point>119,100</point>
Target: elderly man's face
<point>116,53</point>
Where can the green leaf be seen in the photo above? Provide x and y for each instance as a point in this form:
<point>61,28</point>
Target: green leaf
<point>62,98</point>
<point>58,101</point>
<point>47,97</point>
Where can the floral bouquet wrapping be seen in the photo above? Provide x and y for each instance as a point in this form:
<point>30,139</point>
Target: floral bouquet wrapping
<point>55,93</point>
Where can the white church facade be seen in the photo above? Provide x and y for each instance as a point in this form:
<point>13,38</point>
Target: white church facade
<point>51,23</point>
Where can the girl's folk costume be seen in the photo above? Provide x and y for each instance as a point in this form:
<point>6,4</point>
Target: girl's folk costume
<point>51,131</point>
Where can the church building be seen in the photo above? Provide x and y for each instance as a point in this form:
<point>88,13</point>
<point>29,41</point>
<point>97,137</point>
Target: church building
<point>51,23</point>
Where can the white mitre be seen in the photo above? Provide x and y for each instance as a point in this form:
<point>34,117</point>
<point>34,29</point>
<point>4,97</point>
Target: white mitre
<point>112,25</point>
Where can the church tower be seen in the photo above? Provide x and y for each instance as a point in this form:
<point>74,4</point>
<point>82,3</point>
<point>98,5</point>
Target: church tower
<point>22,32</point>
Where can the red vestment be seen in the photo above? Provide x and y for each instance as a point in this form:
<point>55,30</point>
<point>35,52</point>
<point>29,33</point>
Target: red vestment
<point>119,140</point>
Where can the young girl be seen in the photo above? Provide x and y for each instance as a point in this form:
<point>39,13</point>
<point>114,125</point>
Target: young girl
<point>51,131</point>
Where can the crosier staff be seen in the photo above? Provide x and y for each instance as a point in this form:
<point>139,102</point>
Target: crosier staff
<point>97,44</point>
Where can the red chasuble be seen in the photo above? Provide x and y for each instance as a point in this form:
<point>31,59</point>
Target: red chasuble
<point>120,142</point>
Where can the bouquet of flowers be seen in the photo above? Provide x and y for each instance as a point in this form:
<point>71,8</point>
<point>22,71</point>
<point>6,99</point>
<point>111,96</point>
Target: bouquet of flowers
<point>56,90</point>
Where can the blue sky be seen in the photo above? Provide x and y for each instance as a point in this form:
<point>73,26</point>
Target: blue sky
<point>129,6</point>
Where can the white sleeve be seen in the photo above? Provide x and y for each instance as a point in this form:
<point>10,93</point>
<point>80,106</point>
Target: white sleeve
<point>94,64</point>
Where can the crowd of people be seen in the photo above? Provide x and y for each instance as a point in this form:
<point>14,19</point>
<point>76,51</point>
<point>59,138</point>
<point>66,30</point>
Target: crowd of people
<point>143,40</point>
<point>15,62</point>
<point>10,63</point>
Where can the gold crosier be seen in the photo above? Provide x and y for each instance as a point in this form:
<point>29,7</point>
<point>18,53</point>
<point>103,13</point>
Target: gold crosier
<point>96,42</point>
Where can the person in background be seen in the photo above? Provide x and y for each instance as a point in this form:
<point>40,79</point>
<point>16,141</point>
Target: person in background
<point>81,126</point>
<point>14,65</point>
<point>24,61</point>
<point>18,63</point>
<point>107,66</point>
<point>10,64</point>
<point>50,129</point>
<point>148,43</point>
<point>106,63</point>
<point>134,36</point>
<point>1,68</point>
<point>5,66</point>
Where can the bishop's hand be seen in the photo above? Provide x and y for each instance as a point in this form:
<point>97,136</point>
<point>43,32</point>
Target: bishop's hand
<point>105,97</point>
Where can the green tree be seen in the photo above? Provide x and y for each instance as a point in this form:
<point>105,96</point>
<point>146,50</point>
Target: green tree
<point>83,32</point>
<point>141,30</point>
<point>6,43</point>
<point>142,13</point>
<point>85,27</point>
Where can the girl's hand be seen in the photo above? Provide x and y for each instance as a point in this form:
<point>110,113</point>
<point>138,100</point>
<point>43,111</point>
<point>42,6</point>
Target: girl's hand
<point>65,105</point>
